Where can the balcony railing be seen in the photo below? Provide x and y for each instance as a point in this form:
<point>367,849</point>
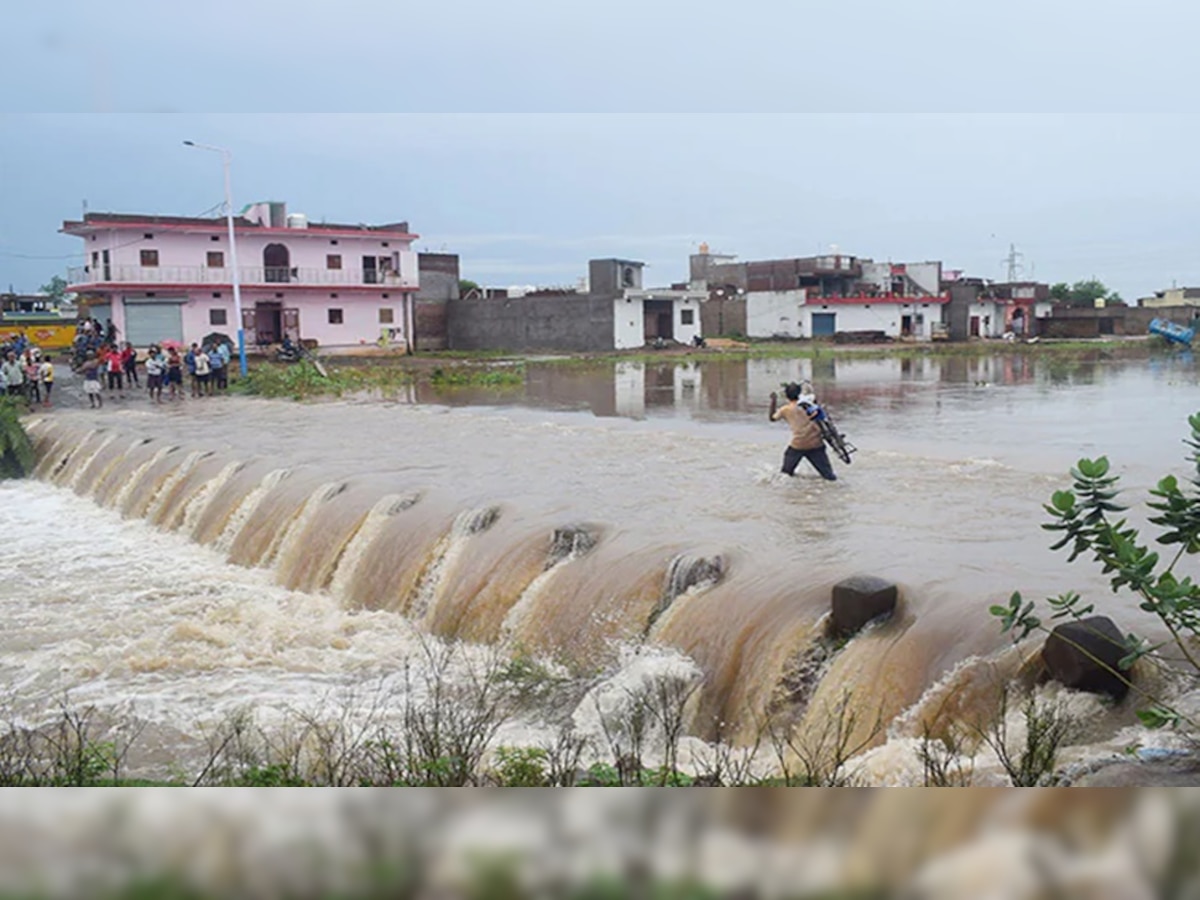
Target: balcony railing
<point>247,275</point>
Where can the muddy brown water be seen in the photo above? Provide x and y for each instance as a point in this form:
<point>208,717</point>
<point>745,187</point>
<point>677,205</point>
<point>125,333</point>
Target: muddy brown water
<point>172,556</point>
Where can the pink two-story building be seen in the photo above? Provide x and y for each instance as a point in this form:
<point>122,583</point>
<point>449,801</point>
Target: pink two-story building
<point>171,277</point>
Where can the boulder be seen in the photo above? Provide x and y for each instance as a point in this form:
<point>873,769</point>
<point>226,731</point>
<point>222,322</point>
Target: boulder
<point>858,600</point>
<point>1083,655</point>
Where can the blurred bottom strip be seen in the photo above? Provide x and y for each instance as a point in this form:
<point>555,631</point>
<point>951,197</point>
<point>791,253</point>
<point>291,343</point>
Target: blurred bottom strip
<point>768,842</point>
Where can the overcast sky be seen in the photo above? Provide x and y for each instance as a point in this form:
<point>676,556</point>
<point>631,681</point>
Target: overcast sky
<point>527,137</point>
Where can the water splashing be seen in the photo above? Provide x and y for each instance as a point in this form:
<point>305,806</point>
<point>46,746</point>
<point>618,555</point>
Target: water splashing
<point>163,494</point>
<point>246,508</point>
<point>446,554</point>
<point>288,542</point>
<point>199,503</point>
<point>686,574</point>
<point>135,477</point>
<point>356,548</point>
<point>569,542</point>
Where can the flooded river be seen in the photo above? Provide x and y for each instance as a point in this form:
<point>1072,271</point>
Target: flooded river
<point>188,558</point>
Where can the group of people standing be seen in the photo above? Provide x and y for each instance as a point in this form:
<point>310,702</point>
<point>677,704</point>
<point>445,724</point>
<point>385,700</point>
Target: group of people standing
<point>207,369</point>
<point>28,375</point>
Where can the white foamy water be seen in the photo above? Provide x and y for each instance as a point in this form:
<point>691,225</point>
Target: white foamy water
<point>113,613</point>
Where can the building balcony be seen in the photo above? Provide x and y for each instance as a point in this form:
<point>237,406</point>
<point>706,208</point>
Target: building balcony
<point>81,277</point>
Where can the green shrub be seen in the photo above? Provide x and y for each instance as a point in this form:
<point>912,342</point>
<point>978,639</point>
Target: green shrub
<point>1085,519</point>
<point>16,451</point>
<point>521,766</point>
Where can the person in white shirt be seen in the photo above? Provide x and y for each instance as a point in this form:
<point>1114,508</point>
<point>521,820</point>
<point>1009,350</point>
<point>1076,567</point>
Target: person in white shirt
<point>156,367</point>
<point>203,372</point>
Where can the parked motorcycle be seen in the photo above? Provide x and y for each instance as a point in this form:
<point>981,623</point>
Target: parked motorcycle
<point>289,353</point>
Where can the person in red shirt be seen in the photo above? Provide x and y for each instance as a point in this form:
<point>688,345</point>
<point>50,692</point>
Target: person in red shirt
<point>112,365</point>
<point>129,365</point>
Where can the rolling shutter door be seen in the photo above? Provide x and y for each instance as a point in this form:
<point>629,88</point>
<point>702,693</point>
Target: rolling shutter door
<point>152,323</point>
<point>824,324</point>
<point>101,312</point>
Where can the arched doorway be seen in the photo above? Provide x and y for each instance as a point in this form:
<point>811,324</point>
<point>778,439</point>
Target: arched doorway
<point>276,263</point>
<point>1017,326</point>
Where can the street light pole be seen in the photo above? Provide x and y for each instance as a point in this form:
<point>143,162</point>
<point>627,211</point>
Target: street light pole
<point>226,164</point>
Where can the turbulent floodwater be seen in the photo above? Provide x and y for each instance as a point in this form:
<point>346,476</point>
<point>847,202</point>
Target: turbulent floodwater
<point>189,559</point>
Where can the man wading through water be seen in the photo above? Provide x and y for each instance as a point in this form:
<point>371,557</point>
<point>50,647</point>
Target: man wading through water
<point>806,442</point>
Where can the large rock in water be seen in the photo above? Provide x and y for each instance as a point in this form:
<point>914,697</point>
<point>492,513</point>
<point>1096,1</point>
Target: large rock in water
<point>858,600</point>
<point>1084,655</point>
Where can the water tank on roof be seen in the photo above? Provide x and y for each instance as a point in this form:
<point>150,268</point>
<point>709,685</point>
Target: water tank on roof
<point>297,220</point>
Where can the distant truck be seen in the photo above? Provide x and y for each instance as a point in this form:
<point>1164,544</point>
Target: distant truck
<point>1179,334</point>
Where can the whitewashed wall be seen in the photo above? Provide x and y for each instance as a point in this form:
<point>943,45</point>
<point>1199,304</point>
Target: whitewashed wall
<point>884,316</point>
<point>629,325</point>
<point>685,333</point>
<point>775,314</point>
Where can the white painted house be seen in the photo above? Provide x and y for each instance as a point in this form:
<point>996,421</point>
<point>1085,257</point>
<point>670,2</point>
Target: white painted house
<point>895,317</point>
<point>895,299</point>
<point>642,315</point>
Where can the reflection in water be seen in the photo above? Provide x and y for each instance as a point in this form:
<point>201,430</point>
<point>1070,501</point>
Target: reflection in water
<point>569,535</point>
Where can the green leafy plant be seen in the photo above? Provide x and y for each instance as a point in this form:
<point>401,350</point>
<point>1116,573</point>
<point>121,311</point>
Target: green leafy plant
<point>16,451</point>
<point>1087,520</point>
<point>601,775</point>
<point>520,766</point>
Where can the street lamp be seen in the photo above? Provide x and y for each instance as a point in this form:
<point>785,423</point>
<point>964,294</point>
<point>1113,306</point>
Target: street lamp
<point>226,160</point>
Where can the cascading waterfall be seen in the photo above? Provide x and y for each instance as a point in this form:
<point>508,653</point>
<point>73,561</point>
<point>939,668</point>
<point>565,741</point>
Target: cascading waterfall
<point>288,540</point>
<point>246,508</point>
<point>121,499</point>
<point>199,503</point>
<point>445,555</point>
<point>687,574</point>
<point>77,466</point>
<point>589,598</point>
<point>356,548</point>
<point>161,500</point>
<point>567,543</point>
<point>113,475</point>
<point>565,590</point>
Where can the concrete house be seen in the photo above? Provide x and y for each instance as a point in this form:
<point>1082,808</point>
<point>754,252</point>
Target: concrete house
<point>615,313</point>
<point>1172,297</point>
<point>171,277</point>
<point>820,296</point>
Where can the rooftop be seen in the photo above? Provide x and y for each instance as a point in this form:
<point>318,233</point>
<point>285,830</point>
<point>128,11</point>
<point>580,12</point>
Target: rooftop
<point>92,221</point>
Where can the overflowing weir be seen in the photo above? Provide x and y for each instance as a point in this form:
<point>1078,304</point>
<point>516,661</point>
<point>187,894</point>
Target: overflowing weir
<point>602,548</point>
<point>570,591</point>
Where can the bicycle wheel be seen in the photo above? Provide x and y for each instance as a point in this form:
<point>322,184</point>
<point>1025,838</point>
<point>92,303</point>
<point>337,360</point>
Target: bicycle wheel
<point>837,441</point>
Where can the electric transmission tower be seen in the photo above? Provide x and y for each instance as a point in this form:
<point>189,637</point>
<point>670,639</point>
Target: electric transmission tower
<point>1013,261</point>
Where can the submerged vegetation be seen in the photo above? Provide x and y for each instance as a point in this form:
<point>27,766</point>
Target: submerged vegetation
<point>302,381</point>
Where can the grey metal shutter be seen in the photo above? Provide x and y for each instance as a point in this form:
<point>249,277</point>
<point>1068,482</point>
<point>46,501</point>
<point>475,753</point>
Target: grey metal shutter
<point>147,323</point>
<point>824,324</point>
